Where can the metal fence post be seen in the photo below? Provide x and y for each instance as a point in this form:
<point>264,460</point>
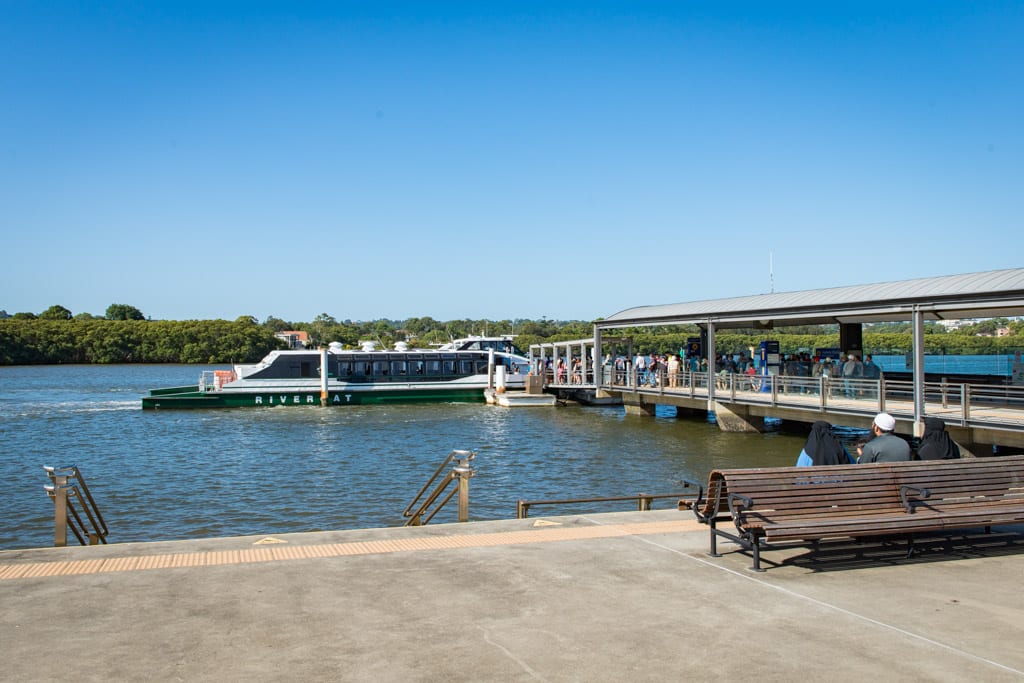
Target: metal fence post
<point>60,510</point>
<point>465,472</point>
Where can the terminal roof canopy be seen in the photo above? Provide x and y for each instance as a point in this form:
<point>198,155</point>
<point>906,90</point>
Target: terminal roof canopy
<point>973,295</point>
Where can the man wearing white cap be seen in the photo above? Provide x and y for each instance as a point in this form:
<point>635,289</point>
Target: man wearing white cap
<point>885,446</point>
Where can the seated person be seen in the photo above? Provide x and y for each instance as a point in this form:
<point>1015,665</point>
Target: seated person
<point>860,443</point>
<point>823,448</point>
<point>937,444</point>
<point>885,446</point>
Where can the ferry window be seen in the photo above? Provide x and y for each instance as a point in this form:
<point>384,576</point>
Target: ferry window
<point>465,367</point>
<point>416,367</point>
<point>433,367</point>
<point>448,367</point>
<point>398,367</point>
<point>481,367</point>
<point>306,369</point>
<point>380,367</point>
<point>344,368</point>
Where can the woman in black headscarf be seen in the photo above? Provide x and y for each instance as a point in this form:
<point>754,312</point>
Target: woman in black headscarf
<point>937,444</point>
<point>822,448</point>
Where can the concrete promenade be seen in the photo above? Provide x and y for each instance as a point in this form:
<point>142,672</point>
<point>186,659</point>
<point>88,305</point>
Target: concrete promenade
<point>610,597</point>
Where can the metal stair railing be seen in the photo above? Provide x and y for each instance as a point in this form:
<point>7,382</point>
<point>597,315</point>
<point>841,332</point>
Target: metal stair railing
<point>462,472</point>
<point>67,487</point>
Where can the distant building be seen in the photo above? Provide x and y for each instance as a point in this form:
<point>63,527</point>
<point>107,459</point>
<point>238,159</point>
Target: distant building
<point>295,339</point>
<point>1002,331</point>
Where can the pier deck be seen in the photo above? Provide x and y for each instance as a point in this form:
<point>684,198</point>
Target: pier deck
<point>974,414</point>
<point>620,596</point>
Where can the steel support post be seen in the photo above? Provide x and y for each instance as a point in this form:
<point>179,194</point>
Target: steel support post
<point>712,353</point>
<point>60,510</point>
<point>465,472</point>
<point>918,344</point>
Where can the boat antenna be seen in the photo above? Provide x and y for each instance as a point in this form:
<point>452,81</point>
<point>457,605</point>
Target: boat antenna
<point>771,272</point>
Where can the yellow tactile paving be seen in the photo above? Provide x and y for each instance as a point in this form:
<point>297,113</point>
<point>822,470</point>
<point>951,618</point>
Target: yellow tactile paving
<point>31,570</point>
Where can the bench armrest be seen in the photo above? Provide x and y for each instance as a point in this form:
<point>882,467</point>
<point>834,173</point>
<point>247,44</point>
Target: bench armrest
<point>738,503</point>
<point>906,491</point>
<point>700,499</point>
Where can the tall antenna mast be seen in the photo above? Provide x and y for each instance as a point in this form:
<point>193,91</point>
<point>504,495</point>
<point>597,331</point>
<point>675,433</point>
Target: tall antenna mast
<point>771,272</point>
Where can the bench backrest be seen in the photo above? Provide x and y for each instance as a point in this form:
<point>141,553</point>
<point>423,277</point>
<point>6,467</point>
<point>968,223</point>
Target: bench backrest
<point>813,491</point>
<point>973,481</point>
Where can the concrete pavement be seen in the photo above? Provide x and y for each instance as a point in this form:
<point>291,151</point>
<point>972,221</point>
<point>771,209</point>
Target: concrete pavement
<point>609,597</point>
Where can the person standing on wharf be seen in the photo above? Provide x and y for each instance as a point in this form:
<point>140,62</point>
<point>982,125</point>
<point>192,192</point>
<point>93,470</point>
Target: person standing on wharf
<point>885,446</point>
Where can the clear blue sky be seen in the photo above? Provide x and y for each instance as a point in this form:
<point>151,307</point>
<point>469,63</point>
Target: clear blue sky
<point>499,159</point>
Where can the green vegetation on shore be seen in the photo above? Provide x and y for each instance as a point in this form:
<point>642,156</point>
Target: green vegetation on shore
<point>30,342</point>
<point>125,336</point>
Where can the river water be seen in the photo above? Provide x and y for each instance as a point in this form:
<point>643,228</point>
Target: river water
<point>164,475</point>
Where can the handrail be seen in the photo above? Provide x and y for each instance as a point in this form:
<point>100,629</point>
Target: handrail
<point>643,501</point>
<point>68,484</point>
<point>461,471</point>
<point>994,406</point>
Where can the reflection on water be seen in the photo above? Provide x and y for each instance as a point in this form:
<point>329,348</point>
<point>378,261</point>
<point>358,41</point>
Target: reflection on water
<point>188,474</point>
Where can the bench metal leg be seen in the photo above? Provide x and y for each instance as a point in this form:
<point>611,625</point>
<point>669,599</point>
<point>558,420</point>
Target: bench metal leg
<point>714,541</point>
<point>755,548</point>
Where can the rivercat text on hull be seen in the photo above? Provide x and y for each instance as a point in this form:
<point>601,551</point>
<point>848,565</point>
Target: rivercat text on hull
<point>457,371</point>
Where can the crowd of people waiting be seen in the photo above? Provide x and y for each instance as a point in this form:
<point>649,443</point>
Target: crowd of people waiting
<point>652,369</point>
<point>676,370</point>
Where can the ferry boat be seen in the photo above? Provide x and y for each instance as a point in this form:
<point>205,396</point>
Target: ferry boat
<point>459,371</point>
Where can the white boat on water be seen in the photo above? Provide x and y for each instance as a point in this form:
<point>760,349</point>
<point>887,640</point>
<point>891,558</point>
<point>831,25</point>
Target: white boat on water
<point>457,371</point>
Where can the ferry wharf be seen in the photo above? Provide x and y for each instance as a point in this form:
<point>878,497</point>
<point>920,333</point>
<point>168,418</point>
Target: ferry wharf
<point>628,596</point>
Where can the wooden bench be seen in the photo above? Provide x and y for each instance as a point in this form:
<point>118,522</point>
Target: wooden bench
<point>811,504</point>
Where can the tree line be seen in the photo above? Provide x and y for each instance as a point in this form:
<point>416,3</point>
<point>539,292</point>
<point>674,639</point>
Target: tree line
<point>30,342</point>
<point>124,335</point>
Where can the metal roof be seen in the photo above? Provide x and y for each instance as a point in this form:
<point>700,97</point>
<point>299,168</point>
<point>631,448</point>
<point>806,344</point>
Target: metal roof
<point>972,295</point>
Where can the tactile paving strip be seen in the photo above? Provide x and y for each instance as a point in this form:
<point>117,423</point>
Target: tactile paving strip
<point>278,553</point>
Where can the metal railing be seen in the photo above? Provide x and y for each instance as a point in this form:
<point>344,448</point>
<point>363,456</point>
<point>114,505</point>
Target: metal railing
<point>997,406</point>
<point>644,501</point>
<point>69,486</point>
<point>461,472</point>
